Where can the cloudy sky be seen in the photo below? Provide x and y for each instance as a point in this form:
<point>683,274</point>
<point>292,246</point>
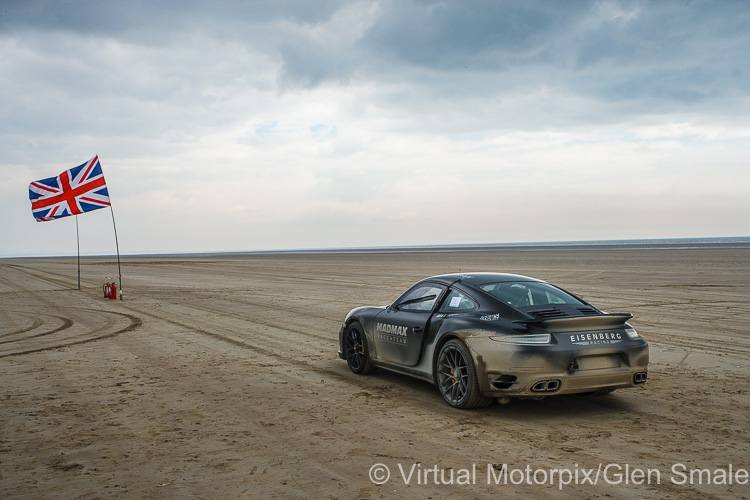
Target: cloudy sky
<point>231,126</point>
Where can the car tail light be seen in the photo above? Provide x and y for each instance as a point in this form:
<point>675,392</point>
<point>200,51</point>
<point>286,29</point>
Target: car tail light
<point>539,338</point>
<point>631,333</point>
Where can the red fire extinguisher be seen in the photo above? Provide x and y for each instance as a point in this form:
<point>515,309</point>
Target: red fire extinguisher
<point>105,289</point>
<point>112,291</point>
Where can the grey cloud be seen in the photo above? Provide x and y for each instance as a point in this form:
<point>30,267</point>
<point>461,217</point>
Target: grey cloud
<point>608,50</point>
<point>485,34</point>
<point>143,68</point>
<point>115,17</point>
<point>623,58</point>
<point>309,64</point>
<point>588,45</point>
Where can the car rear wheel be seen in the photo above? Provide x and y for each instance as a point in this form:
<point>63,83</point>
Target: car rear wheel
<point>457,377</point>
<point>355,350</point>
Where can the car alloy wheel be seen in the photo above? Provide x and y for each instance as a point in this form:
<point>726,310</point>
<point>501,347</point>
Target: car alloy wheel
<point>456,377</point>
<point>357,354</point>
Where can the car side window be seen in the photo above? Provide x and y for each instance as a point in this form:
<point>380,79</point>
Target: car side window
<point>457,302</point>
<point>422,298</point>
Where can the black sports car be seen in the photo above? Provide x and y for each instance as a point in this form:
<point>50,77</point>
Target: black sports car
<point>486,336</point>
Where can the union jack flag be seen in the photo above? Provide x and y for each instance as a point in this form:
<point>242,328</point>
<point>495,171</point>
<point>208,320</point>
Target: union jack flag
<point>80,189</point>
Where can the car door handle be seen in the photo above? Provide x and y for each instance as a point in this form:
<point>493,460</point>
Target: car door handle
<point>418,329</point>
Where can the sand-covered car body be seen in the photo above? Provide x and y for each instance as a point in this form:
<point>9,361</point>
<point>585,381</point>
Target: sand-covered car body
<point>482,336</point>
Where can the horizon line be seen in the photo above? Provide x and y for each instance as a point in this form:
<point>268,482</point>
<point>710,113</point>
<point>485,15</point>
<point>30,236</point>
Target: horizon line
<point>527,245</point>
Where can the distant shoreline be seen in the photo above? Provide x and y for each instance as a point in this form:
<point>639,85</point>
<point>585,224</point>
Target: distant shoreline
<point>635,244</point>
<point>654,244</point>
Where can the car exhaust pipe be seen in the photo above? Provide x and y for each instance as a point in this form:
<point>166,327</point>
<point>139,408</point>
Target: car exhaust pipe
<point>504,381</point>
<point>640,378</point>
<point>546,386</point>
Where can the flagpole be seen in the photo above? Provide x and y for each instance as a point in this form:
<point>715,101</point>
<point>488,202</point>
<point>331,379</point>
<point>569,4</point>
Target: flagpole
<point>78,244</point>
<point>117,245</point>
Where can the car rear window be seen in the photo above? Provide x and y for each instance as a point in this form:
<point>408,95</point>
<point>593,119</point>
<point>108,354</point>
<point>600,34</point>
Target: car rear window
<point>457,302</point>
<point>528,293</point>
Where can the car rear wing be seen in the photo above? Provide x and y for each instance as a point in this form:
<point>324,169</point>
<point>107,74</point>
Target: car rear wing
<point>577,324</point>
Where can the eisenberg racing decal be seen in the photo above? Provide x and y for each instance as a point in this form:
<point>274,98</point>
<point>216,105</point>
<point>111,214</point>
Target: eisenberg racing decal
<point>490,317</point>
<point>391,333</point>
<point>596,338</point>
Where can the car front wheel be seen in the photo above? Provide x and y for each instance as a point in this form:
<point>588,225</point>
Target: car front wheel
<point>355,350</point>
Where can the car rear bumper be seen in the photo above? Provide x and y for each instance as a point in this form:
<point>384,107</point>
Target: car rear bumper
<point>508,370</point>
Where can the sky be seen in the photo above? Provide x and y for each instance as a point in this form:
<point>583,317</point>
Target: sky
<point>262,125</point>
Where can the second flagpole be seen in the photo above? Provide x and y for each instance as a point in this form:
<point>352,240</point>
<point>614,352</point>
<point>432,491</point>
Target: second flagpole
<point>117,245</point>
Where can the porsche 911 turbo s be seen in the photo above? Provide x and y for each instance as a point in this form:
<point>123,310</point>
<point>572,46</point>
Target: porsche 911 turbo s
<point>485,336</point>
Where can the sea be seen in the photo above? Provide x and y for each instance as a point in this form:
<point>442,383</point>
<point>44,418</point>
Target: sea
<point>635,244</point>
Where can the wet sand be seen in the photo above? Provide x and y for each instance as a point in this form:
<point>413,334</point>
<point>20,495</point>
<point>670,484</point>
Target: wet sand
<point>219,377</point>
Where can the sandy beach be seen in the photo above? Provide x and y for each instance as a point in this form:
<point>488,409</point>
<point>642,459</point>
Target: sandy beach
<point>218,377</point>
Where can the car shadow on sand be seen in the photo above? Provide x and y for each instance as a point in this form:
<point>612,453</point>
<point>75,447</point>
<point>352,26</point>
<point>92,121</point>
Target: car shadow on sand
<point>581,407</point>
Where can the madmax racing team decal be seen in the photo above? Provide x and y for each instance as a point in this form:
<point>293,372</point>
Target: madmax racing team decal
<point>391,333</point>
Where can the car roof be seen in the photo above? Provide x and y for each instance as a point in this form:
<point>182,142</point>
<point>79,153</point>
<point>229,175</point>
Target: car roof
<point>476,279</point>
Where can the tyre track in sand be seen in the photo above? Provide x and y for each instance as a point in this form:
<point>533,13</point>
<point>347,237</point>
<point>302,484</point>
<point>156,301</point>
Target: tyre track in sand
<point>135,322</point>
<point>706,346</point>
<point>272,324</point>
<point>66,323</point>
<point>268,353</point>
<point>66,282</point>
<point>15,347</point>
<point>35,323</point>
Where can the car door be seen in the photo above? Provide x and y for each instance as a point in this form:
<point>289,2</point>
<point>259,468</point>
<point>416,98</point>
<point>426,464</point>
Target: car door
<point>400,329</point>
